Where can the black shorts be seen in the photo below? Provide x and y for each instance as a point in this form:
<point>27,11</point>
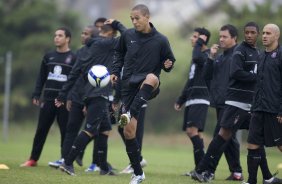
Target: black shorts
<point>195,116</point>
<point>97,118</point>
<point>235,118</point>
<point>129,91</point>
<point>265,129</point>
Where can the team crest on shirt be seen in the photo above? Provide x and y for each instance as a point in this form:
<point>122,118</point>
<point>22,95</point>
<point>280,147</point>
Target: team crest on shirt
<point>274,54</point>
<point>68,59</point>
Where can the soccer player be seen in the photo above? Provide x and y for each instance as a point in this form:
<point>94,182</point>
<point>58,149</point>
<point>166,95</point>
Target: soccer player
<point>53,73</point>
<point>266,122</point>
<point>96,99</point>
<point>236,114</point>
<point>142,52</point>
<point>75,103</point>
<point>195,94</point>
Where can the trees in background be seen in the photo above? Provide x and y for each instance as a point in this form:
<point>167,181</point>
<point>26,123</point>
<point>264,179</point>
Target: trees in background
<point>27,29</point>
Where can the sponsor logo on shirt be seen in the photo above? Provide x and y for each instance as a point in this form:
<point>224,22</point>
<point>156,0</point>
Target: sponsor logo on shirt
<point>57,74</point>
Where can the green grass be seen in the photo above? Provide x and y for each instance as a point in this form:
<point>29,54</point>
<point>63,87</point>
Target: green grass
<point>168,157</point>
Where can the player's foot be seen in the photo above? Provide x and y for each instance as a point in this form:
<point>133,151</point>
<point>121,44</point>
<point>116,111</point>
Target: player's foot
<point>67,169</point>
<point>78,160</point>
<point>273,180</point>
<point>143,163</point>
<point>235,176</point>
<point>92,168</point>
<point>56,164</point>
<point>137,179</point>
<point>188,173</point>
<point>29,163</point>
<point>124,119</point>
<point>245,182</point>
<point>129,169</point>
<point>109,172</point>
<point>203,177</point>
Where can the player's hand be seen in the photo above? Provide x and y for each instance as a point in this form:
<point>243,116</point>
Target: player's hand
<point>68,105</point>
<point>114,79</point>
<point>168,64</point>
<point>213,51</point>
<point>279,118</point>
<point>36,101</point>
<point>84,110</point>
<point>109,21</point>
<point>203,37</point>
<point>58,103</point>
<point>177,107</point>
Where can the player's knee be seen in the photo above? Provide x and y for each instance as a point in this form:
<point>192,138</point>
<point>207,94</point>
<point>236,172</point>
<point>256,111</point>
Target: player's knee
<point>128,133</point>
<point>152,79</point>
<point>191,132</point>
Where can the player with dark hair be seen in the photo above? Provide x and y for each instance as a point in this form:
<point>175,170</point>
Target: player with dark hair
<point>99,22</point>
<point>75,103</point>
<point>266,122</point>
<point>53,73</point>
<point>195,94</point>
<point>239,95</point>
<point>96,100</point>
<point>142,52</point>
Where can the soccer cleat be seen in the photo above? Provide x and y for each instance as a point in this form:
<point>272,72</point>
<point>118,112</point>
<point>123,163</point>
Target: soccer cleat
<point>235,177</point>
<point>29,163</point>
<point>188,173</point>
<point>129,169</point>
<point>143,163</point>
<point>92,168</point>
<point>78,160</point>
<point>124,119</point>
<point>273,180</point>
<point>245,182</point>
<point>56,164</point>
<point>137,179</point>
<point>67,169</point>
<point>110,173</point>
<point>203,177</point>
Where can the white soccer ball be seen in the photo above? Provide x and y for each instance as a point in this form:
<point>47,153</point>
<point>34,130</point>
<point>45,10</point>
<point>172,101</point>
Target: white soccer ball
<point>98,76</point>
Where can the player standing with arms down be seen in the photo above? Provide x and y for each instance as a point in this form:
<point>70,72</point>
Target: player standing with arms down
<point>142,52</point>
<point>266,123</point>
<point>54,70</point>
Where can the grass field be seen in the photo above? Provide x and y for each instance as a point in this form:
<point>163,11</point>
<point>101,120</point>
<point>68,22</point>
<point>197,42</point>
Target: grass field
<point>168,157</point>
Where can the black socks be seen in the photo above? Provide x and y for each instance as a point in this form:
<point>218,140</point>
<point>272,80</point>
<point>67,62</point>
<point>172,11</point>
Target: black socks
<point>140,99</point>
<point>198,148</point>
<point>102,145</point>
<point>79,145</point>
<point>253,161</point>
<point>133,152</point>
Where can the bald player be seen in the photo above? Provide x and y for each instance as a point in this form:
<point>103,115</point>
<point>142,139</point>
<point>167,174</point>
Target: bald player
<point>266,123</point>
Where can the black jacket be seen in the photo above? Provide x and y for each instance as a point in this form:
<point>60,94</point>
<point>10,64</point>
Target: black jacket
<point>140,53</point>
<point>243,74</point>
<point>195,87</point>
<point>268,93</point>
<point>54,70</point>
<point>217,74</point>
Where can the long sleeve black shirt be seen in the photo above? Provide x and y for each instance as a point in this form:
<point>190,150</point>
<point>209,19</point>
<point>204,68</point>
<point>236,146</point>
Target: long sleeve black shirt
<point>139,53</point>
<point>217,74</point>
<point>242,76</point>
<point>195,90</point>
<point>268,93</point>
<point>53,74</point>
